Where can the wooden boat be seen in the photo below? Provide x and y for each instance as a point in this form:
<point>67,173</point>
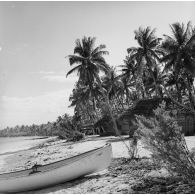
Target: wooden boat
<point>57,172</point>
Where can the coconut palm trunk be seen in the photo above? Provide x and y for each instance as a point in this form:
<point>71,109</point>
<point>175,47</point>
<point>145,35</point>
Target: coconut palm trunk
<point>117,133</point>
<point>190,93</point>
<point>141,86</point>
<point>154,79</point>
<point>95,109</point>
<point>178,92</point>
<point>107,102</point>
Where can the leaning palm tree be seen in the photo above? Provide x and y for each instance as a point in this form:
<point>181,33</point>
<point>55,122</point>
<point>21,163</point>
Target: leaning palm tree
<point>89,62</point>
<point>147,53</point>
<point>127,88</point>
<point>152,85</point>
<point>113,85</point>
<point>128,75</point>
<point>111,82</point>
<point>180,55</point>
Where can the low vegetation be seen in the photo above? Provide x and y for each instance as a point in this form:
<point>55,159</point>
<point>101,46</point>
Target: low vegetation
<point>65,127</point>
<point>164,138</point>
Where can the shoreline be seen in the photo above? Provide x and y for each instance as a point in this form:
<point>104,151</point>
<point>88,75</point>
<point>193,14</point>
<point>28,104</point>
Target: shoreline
<point>48,151</point>
<point>41,140</point>
<point>52,149</point>
<point>10,156</point>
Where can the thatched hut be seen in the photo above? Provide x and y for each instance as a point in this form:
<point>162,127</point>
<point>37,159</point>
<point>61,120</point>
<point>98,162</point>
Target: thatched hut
<point>126,121</point>
<point>187,121</point>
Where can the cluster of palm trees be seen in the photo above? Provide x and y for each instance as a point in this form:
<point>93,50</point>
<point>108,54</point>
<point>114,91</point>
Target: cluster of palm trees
<point>48,129</point>
<point>157,67</point>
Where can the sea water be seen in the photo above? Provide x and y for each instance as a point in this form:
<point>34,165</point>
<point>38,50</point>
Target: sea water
<point>10,145</point>
<point>14,144</point>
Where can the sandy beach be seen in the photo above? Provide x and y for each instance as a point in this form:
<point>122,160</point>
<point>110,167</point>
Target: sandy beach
<point>118,178</point>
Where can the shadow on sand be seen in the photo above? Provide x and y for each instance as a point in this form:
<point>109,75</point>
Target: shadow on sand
<point>108,139</point>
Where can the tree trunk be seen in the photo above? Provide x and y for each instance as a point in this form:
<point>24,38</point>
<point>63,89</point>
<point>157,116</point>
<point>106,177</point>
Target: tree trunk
<point>105,96</point>
<point>190,93</point>
<point>156,87</point>
<point>137,86</point>
<point>178,93</point>
<point>95,109</point>
<point>142,88</point>
<point>111,115</point>
<point>127,96</point>
<point>91,117</point>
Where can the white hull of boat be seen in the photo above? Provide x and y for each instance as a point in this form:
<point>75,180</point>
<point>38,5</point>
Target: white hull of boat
<point>58,172</point>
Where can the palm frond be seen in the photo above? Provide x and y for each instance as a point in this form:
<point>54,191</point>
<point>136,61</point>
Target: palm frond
<point>99,54</point>
<point>191,41</point>
<point>169,38</point>
<point>97,49</point>
<point>74,59</point>
<point>154,42</point>
<point>74,69</point>
<point>178,32</point>
<point>168,65</point>
<point>131,49</point>
<point>187,33</point>
<point>78,49</point>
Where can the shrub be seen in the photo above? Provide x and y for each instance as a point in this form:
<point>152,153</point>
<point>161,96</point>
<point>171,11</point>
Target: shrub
<point>76,136</point>
<point>71,135</point>
<point>67,129</point>
<point>163,137</point>
<point>132,130</point>
<point>133,147</point>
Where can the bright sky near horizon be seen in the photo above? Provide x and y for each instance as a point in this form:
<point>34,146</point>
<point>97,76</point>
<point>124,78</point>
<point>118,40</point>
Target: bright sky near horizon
<point>35,37</point>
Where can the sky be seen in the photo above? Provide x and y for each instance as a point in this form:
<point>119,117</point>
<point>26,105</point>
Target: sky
<point>35,38</point>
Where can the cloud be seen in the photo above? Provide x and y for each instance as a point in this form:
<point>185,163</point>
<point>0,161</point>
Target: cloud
<point>42,72</point>
<point>46,72</point>
<point>58,77</point>
<point>38,109</point>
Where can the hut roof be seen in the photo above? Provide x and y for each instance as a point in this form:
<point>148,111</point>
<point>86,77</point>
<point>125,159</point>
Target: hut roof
<point>145,107</point>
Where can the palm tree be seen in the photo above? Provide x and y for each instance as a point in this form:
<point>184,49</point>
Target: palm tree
<point>113,85</point>
<point>131,79</point>
<point>128,78</point>
<point>180,55</point>
<point>127,86</point>
<point>147,54</point>
<point>111,82</point>
<point>152,85</point>
<point>83,95</point>
<point>89,62</point>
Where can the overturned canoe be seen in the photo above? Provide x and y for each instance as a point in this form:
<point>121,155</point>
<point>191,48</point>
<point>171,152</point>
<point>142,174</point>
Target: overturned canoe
<point>57,172</point>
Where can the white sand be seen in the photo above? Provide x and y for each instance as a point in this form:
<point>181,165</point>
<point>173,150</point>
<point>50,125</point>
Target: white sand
<point>60,149</point>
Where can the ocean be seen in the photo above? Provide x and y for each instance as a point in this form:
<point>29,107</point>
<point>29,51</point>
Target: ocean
<point>14,144</point>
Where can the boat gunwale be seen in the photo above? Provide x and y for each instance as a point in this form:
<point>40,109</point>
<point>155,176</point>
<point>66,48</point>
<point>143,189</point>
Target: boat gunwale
<point>76,158</point>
